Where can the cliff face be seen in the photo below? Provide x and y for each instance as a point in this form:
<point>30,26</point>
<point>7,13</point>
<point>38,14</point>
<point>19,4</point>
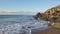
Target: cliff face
<point>52,15</point>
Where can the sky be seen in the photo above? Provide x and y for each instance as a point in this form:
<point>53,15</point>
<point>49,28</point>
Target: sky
<point>27,5</point>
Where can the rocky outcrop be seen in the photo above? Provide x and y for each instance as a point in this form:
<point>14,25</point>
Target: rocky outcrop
<point>41,16</point>
<point>52,15</point>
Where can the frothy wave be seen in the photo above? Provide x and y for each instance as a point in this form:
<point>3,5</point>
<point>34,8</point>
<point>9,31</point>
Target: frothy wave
<point>18,28</point>
<point>13,29</point>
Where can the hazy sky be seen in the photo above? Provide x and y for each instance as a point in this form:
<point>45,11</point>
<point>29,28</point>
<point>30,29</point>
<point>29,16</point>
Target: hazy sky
<point>27,5</point>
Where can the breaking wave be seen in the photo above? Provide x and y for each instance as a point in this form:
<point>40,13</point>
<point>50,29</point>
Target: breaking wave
<point>21,28</point>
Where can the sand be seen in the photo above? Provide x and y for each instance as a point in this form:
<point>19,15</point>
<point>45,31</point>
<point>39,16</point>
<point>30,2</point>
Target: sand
<point>51,30</point>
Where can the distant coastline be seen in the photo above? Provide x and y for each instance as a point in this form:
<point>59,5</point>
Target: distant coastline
<point>17,13</point>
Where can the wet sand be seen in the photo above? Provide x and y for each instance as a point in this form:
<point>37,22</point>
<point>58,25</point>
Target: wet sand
<point>51,30</point>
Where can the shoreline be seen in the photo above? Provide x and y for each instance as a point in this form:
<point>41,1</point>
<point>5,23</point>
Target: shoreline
<point>51,30</point>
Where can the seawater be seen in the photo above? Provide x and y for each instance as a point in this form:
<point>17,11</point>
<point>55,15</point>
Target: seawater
<point>21,24</point>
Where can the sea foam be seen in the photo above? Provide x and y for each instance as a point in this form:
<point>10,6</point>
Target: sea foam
<point>21,28</point>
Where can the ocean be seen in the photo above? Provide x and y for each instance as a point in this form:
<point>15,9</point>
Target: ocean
<point>21,24</point>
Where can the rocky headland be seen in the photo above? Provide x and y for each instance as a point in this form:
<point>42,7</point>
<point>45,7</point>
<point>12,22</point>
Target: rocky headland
<point>52,15</point>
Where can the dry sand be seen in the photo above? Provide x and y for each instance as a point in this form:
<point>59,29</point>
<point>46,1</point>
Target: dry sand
<point>49,31</point>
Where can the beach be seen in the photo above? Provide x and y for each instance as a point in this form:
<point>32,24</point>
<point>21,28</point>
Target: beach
<point>51,30</point>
